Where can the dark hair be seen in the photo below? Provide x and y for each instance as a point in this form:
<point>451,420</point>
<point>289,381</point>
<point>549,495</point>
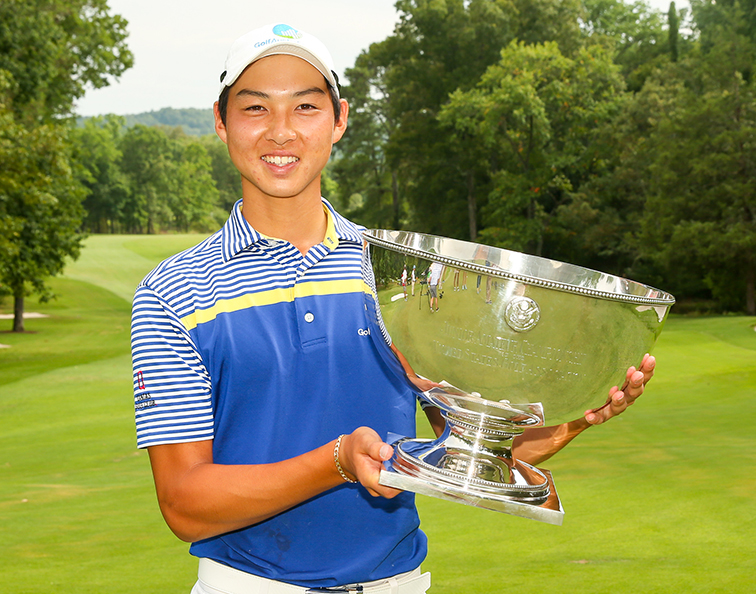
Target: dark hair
<point>223,102</point>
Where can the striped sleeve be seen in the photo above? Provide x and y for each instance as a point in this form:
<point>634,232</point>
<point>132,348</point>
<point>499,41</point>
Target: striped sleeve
<point>172,388</point>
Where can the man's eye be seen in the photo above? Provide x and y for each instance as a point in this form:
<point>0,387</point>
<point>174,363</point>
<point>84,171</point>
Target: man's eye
<point>307,106</point>
<point>254,108</point>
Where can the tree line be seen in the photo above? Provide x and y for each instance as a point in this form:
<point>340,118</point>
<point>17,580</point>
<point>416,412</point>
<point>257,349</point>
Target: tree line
<point>600,132</point>
<point>147,179</point>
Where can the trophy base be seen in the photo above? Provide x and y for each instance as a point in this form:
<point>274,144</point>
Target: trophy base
<point>537,501</point>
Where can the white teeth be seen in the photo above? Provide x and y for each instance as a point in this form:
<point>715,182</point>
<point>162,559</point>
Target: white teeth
<point>279,160</point>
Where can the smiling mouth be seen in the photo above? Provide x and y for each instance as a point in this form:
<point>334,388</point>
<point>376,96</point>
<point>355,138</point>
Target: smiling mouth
<point>280,161</point>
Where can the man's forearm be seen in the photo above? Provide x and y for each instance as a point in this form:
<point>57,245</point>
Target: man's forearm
<point>200,499</point>
<point>538,444</point>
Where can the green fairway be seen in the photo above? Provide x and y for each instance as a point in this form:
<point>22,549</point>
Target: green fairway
<point>659,500</point>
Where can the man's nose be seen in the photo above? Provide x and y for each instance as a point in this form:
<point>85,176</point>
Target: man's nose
<point>281,129</point>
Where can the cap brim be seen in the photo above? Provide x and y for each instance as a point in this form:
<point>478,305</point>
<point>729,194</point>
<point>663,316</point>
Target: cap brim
<point>288,50</point>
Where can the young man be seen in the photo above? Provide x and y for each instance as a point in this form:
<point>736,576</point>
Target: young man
<point>263,378</point>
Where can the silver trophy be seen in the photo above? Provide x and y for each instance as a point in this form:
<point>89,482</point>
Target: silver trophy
<point>519,341</point>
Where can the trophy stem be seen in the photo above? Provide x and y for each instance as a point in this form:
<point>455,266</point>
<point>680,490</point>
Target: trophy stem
<point>472,462</point>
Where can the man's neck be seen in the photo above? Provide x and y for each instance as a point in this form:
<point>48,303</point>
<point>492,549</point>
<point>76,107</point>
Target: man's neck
<point>301,222</point>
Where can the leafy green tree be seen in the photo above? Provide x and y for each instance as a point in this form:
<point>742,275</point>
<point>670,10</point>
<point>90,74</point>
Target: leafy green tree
<point>50,52</point>
<point>594,227</point>
<point>10,225</point>
<point>674,31</point>
<point>147,161</point>
<point>398,162</point>
<point>368,185</point>
<point>40,207</point>
<point>633,31</point>
<point>701,207</point>
<point>225,175</point>
<point>170,181</point>
<point>537,110</point>
<point>394,167</point>
<point>538,21</point>
<point>194,197</point>
<point>55,49</point>
<point>97,154</point>
<point>674,206</point>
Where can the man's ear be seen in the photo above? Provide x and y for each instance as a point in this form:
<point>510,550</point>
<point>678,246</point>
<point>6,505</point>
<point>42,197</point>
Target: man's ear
<point>220,127</point>
<point>341,125</point>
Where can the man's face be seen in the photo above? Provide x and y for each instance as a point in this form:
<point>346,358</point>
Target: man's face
<point>280,128</point>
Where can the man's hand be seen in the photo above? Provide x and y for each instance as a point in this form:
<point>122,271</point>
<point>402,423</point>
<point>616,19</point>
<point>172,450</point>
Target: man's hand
<point>538,444</point>
<point>362,455</point>
<point>620,399</point>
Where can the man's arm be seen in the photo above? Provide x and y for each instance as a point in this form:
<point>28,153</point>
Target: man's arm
<point>435,419</point>
<point>197,497</point>
<point>200,499</point>
<point>538,444</point>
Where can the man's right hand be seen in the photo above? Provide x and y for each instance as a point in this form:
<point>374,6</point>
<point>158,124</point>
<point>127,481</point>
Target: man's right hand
<point>361,455</point>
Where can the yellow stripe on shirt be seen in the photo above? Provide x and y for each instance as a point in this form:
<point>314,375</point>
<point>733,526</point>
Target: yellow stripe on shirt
<point>273,296</point>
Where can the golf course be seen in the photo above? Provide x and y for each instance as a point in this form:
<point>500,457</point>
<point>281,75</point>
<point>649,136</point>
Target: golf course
<point>659,500</point>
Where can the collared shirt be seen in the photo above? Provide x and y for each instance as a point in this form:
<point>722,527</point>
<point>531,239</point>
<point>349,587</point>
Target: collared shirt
<point>234,270</point>
<point>271,353</point>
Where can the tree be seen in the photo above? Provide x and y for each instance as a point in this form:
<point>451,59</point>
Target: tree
<point>594,228</point>
<point>675,203</point>
<point>537,111</point>
<point>170,181</point>
<point>55,49</point>
<point>226,176</point>
<point>701,207</point>
<point>368,185</point>
<point>633,31</point>
<point>97,154</point>
<point>50,52</point>
<point>194,196</point>
<point>674,32</point>
<point>147,162</point>
<point>40,208</point>
<point>398,163</point>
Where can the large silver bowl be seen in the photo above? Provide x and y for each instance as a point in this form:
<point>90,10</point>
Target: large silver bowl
<point>523,339</point>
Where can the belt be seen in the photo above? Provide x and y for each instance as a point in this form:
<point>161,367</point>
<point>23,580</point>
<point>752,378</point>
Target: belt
<point>228,580</point>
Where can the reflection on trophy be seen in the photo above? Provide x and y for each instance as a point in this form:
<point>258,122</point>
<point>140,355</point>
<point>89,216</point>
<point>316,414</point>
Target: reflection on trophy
<point>526,341</point>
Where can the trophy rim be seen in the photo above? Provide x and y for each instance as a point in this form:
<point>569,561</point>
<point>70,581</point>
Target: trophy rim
<point>653,295</point>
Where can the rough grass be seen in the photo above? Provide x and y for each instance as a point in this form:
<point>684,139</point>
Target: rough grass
<point>659,500</point>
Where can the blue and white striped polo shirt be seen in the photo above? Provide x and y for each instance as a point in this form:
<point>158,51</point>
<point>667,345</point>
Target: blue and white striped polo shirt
<point>269,353</point>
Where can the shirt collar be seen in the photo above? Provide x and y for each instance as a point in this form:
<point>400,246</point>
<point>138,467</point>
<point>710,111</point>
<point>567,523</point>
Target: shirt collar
<point>238,234</point>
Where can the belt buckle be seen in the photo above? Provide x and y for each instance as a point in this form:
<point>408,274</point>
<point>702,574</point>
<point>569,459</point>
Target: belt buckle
<point>354,588</point>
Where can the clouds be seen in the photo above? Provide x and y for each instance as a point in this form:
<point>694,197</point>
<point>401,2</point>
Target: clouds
<point>179,48</point>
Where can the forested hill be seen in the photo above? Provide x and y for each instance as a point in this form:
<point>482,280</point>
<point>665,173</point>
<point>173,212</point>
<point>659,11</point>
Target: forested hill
<point>194,122</point>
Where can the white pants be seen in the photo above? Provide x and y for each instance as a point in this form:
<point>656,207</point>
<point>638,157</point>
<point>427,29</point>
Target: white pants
<point>216,578</point>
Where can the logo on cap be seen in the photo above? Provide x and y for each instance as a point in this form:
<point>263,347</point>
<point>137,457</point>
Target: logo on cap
<point>286,31</point>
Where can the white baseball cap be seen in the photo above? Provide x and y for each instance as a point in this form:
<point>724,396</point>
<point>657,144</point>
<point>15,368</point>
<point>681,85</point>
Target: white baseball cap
<point>277,38</point>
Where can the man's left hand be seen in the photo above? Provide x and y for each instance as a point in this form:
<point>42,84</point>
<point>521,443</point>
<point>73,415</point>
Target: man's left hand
<point>620,399</point>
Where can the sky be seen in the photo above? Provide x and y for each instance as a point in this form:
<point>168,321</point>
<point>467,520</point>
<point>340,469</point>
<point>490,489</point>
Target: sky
<point>179,47</point>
